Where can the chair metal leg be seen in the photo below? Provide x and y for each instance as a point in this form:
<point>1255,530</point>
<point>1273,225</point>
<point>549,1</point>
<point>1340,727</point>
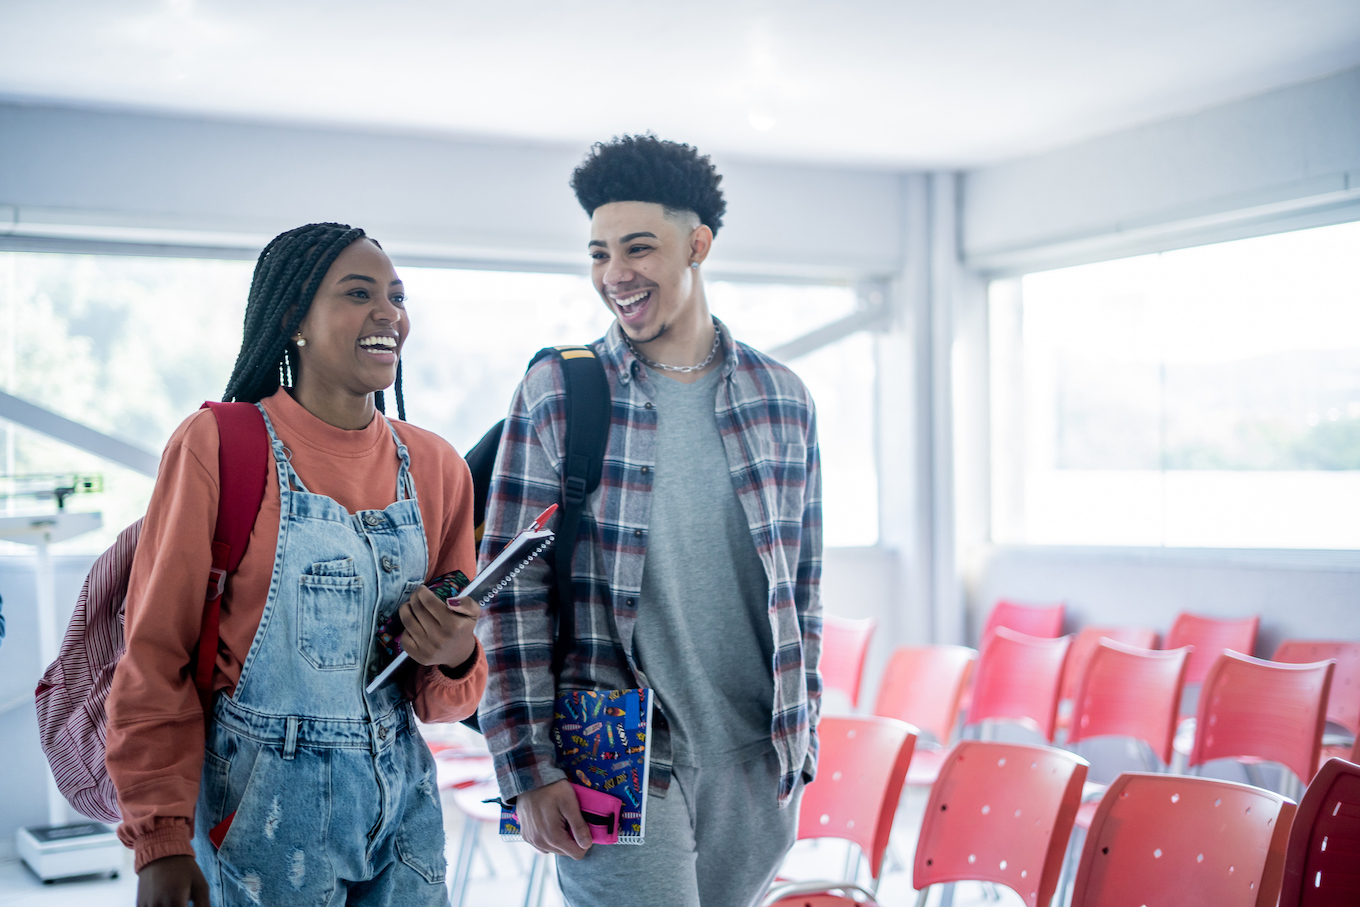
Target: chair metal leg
<point>530,890</point>
<point>947,895</point>
<point>894,860</point>
<point>921,896</point>
<point>548,873</point>
<point>462,873</point>
<point>1290,785</point>
<point>486,859</point>
<point>851,862</point>
<point>1069,867</point>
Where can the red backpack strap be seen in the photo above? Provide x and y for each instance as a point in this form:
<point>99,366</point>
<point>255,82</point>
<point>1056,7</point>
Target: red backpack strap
<point>243,468</point>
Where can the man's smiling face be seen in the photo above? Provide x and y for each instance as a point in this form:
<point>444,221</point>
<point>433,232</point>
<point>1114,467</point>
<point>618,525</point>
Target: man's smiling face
<point>641,258</point>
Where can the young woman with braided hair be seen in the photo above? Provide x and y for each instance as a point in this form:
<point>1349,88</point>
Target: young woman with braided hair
<point>307,790</point>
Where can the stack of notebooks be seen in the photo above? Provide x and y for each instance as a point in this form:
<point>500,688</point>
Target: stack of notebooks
<point>603,745</point>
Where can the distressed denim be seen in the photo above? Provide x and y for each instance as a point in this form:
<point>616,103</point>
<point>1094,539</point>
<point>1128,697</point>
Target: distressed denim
<point>334,791</point>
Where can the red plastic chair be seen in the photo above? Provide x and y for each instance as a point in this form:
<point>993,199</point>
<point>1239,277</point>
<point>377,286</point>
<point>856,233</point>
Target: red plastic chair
<point>1322,862</point>
<point>1084,646</point>
<point>1000,813</point>
<point>861,766</point>
<point>1170,839</point>
<point>1131,692</point>
<point>1253,707</point>
<point>1044,621</point>
<point>923,685</point>
<point>1210,636</point>
<point>1017,680</point>
<point>1343,706</point>
<point>845,643</point>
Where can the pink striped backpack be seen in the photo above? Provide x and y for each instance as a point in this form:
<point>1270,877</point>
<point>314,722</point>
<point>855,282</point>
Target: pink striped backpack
<point>72,692</point>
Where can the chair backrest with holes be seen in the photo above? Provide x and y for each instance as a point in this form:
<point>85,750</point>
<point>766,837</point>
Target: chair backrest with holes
<point>1253,707</point>
<point>1320,865</point>
<point>1018,678</point>
<point>1211,636</point>
<point>923,685</point>
<point>861,767</point>
<point>1000,813</point>
<point>1130,692</point>
<point>1084,646</point>
<point>845,643</point>
<point>1172,839</point>
<point>1343,706</point>
<point>1033,620</point>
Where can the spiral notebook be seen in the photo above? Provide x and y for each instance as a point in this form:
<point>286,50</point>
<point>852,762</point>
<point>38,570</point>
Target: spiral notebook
<point>517,554</point>
<point>602,743</point>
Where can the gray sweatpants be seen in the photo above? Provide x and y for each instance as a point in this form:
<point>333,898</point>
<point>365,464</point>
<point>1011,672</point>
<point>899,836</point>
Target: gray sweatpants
<point>715,840</point>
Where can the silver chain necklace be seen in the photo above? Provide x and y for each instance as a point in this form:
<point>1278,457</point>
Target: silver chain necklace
<point>717,339</point>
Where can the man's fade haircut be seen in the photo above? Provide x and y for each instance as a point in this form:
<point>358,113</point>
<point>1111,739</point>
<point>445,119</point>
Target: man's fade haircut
<point>643,168</point>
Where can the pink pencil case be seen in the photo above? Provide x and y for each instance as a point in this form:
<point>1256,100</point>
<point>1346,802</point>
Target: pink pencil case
<point>602,813</point>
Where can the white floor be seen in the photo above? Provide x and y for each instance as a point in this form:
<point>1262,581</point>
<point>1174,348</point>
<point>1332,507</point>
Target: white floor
<point>499,874</point>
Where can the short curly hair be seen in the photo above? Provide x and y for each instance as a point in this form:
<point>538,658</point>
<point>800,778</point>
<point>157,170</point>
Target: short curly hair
<point>643,168</point>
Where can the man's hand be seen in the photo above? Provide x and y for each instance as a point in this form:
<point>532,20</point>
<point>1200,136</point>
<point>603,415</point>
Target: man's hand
<point>550,819</point>
<point>172,882</point>
<point>436,634</point>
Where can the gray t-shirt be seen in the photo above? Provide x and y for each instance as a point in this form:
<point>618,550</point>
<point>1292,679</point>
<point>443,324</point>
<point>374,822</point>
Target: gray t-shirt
<point>703,633</point>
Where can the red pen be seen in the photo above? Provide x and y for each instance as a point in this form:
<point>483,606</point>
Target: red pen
<point>543,518</point>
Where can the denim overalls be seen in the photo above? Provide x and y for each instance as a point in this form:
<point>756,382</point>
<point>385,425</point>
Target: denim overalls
<point>334,792</point>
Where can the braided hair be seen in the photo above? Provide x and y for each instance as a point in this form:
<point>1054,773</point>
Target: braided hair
<point>287,276</point>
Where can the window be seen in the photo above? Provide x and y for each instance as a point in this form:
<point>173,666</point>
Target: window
<point>1204,397</point>
<point>131,345</point>
<point>126,345</point>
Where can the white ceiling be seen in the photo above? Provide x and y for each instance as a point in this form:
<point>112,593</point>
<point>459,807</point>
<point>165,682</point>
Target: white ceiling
<point>907,83</point>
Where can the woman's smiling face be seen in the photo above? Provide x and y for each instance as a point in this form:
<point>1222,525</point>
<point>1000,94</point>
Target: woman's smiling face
<point>357,324</point>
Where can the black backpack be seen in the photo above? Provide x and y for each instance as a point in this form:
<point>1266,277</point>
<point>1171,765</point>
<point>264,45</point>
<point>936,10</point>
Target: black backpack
<point>587,434</point>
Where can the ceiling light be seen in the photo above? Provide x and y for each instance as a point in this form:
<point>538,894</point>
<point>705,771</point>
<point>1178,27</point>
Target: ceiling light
<point>761,120</point>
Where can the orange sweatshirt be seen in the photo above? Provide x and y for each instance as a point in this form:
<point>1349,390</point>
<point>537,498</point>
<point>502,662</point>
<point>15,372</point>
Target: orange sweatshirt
<point>155,726</point>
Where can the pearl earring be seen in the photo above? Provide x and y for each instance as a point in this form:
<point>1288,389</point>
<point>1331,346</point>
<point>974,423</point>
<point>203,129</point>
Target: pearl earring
<point>300,340</point>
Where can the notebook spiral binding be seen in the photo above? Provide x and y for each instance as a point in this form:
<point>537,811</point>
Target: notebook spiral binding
<point>505,580</point>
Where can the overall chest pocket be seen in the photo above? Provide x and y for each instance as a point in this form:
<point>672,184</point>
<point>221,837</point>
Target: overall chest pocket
<point>330,610</point>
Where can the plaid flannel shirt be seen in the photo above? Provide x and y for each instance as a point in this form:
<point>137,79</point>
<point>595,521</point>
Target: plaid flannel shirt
<point>768,428</point>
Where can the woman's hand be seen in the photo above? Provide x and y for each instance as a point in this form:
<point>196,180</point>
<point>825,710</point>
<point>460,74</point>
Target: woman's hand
<point>436,633</point>
<point>172,882</point>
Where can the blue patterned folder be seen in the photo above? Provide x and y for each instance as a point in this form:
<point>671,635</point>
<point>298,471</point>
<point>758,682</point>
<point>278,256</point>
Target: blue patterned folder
<point>602,743</point>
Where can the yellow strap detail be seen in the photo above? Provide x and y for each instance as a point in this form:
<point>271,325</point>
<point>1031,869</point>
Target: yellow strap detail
<point>571,353</point>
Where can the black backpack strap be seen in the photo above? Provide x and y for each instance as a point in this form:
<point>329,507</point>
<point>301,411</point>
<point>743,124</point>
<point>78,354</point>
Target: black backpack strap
<point>481,461</point>
<point>587,435</point>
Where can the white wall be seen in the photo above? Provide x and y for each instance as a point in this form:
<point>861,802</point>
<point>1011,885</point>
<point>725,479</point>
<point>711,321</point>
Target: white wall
<point>1281,160</point>
<point>138,177</point>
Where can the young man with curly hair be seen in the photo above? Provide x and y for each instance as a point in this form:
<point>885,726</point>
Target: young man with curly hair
<point>697,568</point>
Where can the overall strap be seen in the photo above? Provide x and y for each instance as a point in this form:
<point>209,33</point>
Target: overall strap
<point>243,467</point>
<point>587,436</point>
<point>406,486</point>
